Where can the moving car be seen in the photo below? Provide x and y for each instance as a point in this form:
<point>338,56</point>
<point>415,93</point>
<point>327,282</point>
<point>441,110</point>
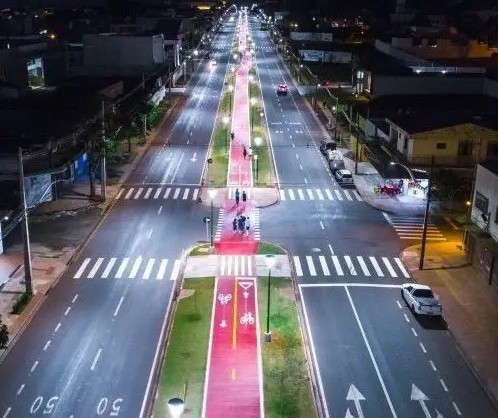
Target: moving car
<point>327,145</point>
<point>282,89</point>
<point>421,300</point>
<point>344,176</point>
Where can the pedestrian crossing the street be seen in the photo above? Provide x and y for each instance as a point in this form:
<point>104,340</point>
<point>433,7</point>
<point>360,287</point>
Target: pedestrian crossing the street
<point>412,228</point>
<point>333,265</point>
<point>158,193</point>
<point>236,265</point>
<point>254,218</point>
<point>320,194</point>
<point>137,268</point>
<point>231,193</point>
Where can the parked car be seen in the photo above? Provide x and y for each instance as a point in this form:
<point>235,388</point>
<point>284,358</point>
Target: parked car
<point>326,145</point>
<point>282,89</point>
<point>421,300</point>
<point>344,176</point>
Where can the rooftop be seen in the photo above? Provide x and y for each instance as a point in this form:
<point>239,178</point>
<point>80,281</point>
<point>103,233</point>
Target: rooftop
<point>491,165</point>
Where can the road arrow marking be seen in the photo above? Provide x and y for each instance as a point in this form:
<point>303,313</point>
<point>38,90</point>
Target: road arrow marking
<point>349,414</point>
<point>418,395</point>
<point>355,395</point>
<point>223,324</point>
<point>194,158</point>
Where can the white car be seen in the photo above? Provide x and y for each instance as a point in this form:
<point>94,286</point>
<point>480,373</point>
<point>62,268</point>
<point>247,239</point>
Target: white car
<point>421,300</point>
<point>344,176</point>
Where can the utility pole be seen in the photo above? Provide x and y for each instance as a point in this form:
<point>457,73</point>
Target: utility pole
<point>426,217</point>
<point>356,152</point>
<point>103,174</point>
<point>170,80</point>
<point>25,229</point>
<point>145,125</point>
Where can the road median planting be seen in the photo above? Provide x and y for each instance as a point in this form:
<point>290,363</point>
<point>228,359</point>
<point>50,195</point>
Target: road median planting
<point>287,390</point>
<point>184,367</point>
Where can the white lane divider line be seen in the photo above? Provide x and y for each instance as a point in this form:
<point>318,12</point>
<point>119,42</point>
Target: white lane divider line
<point>422,346</point>
<point>176,269</point>
<point>372,357</point>
<point>445,388</point>
<point>433,365</point>
<point>57,327</point>
<point>414,332</point>
<point>406,317</point>
<point>20,389</point>
<point>162,269</point>
<point>119,306</point>
<point>34,366</point>
<point>324,265</point>
<point>311,265</point>
<point>47,344</point>
<point>457,409</point>
<point>66,312</point>
<point>7,412</point>
<point>159,210</point>
<point>95,359</point>
<point>297,265</point>
<point>402,267</point>
<point>75,298</point>
<point>82,268</point>
<point>108,268</point>
<point>337,265</point>
<point>321,225</point>
<point>399,304</point>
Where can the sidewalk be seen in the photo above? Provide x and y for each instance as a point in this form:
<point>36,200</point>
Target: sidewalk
<point>470,306</point>
<point>50,261</point>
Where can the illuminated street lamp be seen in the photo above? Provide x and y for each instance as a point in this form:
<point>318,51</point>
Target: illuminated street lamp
<point>176,407</point>
<point>261,114</point>
<point>256,165</point>
<point>270,261</point>
<point>212,195</point>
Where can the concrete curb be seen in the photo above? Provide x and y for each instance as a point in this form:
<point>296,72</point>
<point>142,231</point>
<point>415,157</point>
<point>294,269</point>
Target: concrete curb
<point>466,357</point>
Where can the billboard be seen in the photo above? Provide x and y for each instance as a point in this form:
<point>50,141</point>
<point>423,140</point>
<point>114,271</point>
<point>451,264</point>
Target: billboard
<point>315,55</point>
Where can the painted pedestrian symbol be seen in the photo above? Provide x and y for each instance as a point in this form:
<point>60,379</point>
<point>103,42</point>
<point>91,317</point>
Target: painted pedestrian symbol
<point>247,319</point>
<point>245,286</point>
<point>223,323</point>
<point>224,299</point>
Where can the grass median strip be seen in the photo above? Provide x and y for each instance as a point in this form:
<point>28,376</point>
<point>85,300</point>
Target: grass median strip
<point>185,359</point>
<point>268,248</point>
<point>287,389</point>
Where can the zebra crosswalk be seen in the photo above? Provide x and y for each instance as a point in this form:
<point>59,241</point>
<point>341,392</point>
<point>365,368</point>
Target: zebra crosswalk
<point>158,192</point>
<point>236,265</point>
<point>128,268</point>
<point>320,194</point>
<point>412,228</point>
<point>333,265</point>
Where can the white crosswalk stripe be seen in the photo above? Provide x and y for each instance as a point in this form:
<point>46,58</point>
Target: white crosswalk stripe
<point>255,225</point>
<point>350,265</point>
<point>236,265</point>
<point>175,193</point>
<point>219,225</point>
<point>127,268</point>
<point>320,194</point>
<point>411,228</point>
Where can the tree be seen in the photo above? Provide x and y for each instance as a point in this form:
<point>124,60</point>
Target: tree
<point>4,335</point>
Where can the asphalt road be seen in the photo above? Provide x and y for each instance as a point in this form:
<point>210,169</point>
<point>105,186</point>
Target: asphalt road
<point>90,349</point>
<point>346,261</point>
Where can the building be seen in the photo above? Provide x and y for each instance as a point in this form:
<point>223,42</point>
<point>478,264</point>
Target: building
<point>110,54</point>
<point>482,240</point>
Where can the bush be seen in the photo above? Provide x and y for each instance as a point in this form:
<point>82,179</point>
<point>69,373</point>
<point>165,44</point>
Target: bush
<point>4,335</point>
<point>21,303</point>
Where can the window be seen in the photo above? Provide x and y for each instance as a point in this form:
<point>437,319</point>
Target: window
<point>465,148</point>
<point>441,145</point>
<point>481,202</point>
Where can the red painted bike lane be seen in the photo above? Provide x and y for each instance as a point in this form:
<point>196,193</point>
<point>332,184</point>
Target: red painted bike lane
<point>233,382</point>
<point>234,385</point>
<point>240,168</point>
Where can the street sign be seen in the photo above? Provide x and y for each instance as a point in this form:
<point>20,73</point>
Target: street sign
<point>206,219</point>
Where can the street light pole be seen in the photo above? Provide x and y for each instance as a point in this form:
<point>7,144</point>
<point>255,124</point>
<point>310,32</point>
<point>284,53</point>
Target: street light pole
<point>103,174</point>
<point>426,217</point>
<point>270,261</point>
<point>256,164</point>
<point>25,229</point>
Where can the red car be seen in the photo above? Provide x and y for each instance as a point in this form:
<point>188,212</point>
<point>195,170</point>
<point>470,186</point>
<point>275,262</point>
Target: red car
<point>282,89</point>
<point>327,83</point>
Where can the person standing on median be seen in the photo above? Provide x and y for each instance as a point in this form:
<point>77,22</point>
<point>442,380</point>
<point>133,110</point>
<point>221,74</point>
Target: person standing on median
<point>244,196</point>
<point>237,196</point>
<point>244,152</point>
<point>248,226</point>
<point>234,225</point>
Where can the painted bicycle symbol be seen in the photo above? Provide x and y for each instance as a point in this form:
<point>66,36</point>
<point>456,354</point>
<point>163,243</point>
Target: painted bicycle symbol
<point>224,299</point>
<point>247,318</point>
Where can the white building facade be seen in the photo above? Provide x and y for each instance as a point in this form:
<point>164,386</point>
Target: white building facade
<point>485,200</point>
